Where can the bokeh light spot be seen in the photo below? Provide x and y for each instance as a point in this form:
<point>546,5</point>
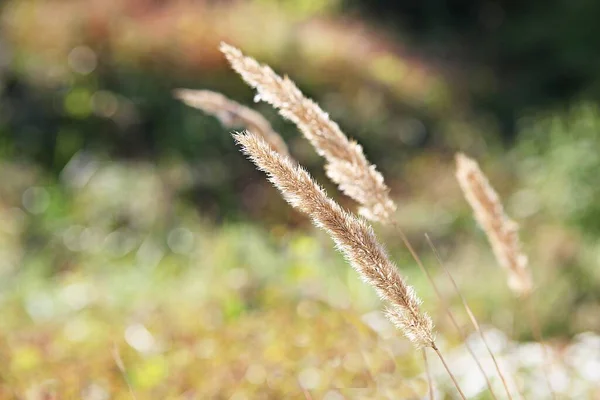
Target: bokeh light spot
<point>36,200</point>
<point>77,103</point>
<point>82,60</point>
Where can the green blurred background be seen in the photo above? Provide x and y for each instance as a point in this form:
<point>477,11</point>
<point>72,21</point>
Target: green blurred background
<point>140,251</point>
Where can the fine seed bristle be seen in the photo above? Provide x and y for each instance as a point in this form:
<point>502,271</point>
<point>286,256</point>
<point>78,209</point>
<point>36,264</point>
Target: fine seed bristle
<point>232,114</point>
<point>352,236</point>
<point>346,163</point>
<point>502,232</point>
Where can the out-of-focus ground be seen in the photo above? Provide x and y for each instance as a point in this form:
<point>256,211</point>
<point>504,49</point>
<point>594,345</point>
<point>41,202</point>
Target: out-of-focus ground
<point>141,254</point>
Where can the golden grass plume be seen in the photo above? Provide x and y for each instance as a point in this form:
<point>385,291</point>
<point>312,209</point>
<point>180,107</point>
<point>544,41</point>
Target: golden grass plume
<point>352,236</point>
<point>502,232</point>
<point>232,114</point>
<point>346,165</point>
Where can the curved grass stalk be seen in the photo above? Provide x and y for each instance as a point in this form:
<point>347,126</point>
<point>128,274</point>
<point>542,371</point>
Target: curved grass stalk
<point>472,318</point>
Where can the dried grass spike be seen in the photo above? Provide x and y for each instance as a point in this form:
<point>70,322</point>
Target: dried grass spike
<point>232,114</point>
<point>352,236</point>
<point>502,232</point>
<point>346,162</point>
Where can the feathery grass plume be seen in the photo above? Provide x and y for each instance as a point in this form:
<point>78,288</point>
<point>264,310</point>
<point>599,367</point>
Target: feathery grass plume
<point>502,232</point>
<point>232,114</point>
<point>346,162</point>
<point>352,236</point>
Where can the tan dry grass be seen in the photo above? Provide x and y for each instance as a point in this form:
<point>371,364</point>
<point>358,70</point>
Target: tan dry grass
<point>346,165</point>
<point>232,114</point>
<point>352,236</point>
<point>501,231</point>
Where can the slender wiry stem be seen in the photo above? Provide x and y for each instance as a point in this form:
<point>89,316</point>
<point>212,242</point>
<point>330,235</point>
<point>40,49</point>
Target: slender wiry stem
<point>306,394</point>
<point>460,331</point>
<point>470,314</point>
<point>437,351</point>
<point>408,383</point>
<point>537,335</point>
<point>364,357</point>
<point>428,373</point>
<point>121,367</point>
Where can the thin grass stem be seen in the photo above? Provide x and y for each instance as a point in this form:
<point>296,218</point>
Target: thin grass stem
<point>537,335</point>
<point>408,383</point>
<point>363,354</point>
<point>461,333</point>
<point>428,373</point>
<point>437,351</point>
<point>471,316</point>
<point>121,367</point>
<point>306,394</point>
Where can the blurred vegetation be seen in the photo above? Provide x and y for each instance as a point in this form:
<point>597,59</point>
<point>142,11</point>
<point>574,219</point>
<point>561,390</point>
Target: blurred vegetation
<point>137,246</point>
<point>515,56</point>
